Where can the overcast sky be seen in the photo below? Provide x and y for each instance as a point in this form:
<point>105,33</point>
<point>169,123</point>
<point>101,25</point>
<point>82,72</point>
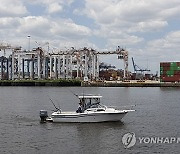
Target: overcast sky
<point>148,29</point>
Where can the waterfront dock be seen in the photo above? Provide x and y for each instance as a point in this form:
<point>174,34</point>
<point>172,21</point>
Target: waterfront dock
<point>132,83</point>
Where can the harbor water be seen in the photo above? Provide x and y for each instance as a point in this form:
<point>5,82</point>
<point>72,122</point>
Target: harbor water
<point>156,116</point>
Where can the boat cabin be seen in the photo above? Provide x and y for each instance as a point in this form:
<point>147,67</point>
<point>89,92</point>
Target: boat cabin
<point>89,101</point>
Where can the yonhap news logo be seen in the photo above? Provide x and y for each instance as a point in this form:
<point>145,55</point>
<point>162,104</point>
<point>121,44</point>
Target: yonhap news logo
<point>130,139</point>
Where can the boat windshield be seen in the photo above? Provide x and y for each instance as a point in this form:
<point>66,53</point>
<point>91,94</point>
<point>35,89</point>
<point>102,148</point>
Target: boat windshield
<point>90,102</point>
<point>96,106</point>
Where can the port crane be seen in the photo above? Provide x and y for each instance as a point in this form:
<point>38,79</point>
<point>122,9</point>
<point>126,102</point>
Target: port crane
<point>122,54</point>
<point>138,69</point>
<point>4,47</point>
<point>76,63</point>
<point>91,53</point>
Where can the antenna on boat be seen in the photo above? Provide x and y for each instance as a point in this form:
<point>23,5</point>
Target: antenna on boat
<point>83,93</point>
<point>54,105</point>
<point>73,93</point>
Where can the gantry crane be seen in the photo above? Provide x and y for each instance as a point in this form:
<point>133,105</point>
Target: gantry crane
<point>6,46</point>
<point>122,54</point>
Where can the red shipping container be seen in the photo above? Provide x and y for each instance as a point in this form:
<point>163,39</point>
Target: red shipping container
<point>171,79</point>
<point>161,64</point>
<point>168,64</point>
<point>178,63</point>
<point>165,64</point>
<point>176,72</point>
<point>162,76</point>
<point>166,68</point>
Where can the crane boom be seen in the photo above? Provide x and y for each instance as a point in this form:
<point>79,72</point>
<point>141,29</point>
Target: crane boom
<point>137,68</point>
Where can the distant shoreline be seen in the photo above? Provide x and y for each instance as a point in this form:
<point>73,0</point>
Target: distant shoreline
<point>129,84</point>
<point>54,83</point>
<point>78,83</point>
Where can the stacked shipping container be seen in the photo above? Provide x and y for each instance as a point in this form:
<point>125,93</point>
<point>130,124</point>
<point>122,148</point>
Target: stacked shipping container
<point>170,71</point>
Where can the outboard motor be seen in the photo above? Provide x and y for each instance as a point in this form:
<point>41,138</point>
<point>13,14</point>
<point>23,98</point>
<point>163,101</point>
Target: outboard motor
<point>43,115</point>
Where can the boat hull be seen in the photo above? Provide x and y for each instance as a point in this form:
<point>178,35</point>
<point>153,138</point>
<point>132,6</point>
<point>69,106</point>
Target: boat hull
<point>84,117</point>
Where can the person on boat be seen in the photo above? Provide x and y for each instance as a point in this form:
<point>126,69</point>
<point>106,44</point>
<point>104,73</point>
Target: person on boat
<point>79,110</point>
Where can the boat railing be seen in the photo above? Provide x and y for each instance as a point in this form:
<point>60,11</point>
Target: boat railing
<point>128,107</point>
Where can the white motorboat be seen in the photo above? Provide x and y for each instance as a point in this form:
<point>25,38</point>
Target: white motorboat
<point>90,110</point>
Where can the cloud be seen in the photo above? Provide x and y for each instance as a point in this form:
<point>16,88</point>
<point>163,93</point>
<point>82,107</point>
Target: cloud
<point>146,26</point>
<point>34,25</point>
<point>169,43</point>
<point>67,28</point>
<point>131,10</point>
<point>65,43</point>
<point>44,28</point>
<point>52,6</point>
<point>12,8</point>
<point>136,15</point>
<point>159,50</point>
<point>125,40</point>
<point>8,23</point>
